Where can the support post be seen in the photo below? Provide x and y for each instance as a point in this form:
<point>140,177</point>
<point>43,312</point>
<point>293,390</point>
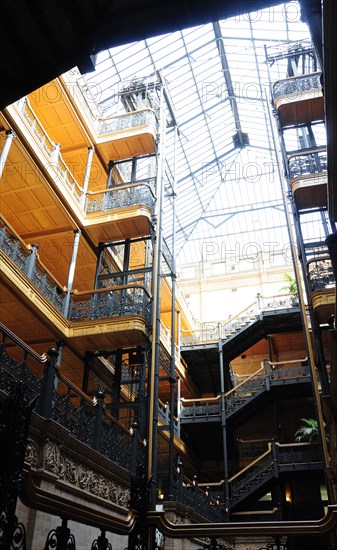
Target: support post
<point>91,151</point>
<point>48,384</point>
<point>71,273</point>
<point>173,325</point>
<point>54,155</point>
<point>223,422</point>
<point>32,260</point>
<point>100,395</point>
<point>179,404</point>
<point>10,135</point>
<point>155,351</point>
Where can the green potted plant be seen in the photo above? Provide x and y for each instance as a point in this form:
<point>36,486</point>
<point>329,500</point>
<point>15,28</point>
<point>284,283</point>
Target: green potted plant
<point>308,432</point>
<point>291,288</point>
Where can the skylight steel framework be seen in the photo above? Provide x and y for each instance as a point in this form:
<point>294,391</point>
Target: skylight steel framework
<point>216,78</point>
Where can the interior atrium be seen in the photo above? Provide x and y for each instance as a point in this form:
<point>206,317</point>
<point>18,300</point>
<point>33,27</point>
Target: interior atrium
<point>168,260</point>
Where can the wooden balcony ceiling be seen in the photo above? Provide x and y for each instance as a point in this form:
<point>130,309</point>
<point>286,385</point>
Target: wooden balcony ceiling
<point>58,116</point>
<point>29,205</point>
<point>295,109</point>
<point>127,143</point>
<point>323,302</point>
<point>118,224</point>
<point>310,191</point>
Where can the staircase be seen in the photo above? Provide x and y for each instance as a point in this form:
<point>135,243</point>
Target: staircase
<point>269,375</point>
<point>209,334</point>
<point>277,459</point>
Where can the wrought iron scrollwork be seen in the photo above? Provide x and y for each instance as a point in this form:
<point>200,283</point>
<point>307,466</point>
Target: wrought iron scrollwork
<point>215,545</point>
<point>15,411</point>
<point>60,538</point>
<point>101,543</point>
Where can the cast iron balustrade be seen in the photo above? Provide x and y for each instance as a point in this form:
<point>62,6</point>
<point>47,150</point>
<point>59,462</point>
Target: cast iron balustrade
<point>207,408</point>
<point>27,259</point>
<point>189,493</point>
<point>320,273</point>
<point>297,85</point>
<point>121,196</point>
<point>307,163</point>
<point>110,302</point>
<point>85,418</point>
<point>126,120</point>
<point>225,330</point>
<point>268,375</point>
<point>246,391</point>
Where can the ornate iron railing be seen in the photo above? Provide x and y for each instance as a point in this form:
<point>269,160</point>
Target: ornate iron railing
<point>189,493</point>
<point>246,391</point>
<point>297,85</point>
<point>126,120</point>
<point>121,196</point>
<point>320,273</point>
<point>297,453</point>
<point>206,407</point>
<point>28,261</point>
<point>225,330</point>
<point>310,162</point>
<point>67,405</point>
<point>110,302</point>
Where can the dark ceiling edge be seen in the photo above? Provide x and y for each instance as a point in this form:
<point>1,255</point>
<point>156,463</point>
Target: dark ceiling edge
<point>44,38</point>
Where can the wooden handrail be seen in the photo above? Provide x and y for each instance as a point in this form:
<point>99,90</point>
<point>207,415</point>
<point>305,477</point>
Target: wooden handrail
<point>109,289</point>
<point>307,152</point>
<point>201,399</point>
<point>74,388</point>
<point>304,444</point>
<point>318,259</point>
<point>244,381</point>
<point>103,119</point>
<point>266,453</point>
<point>40,358</point>
<point>297,77</point>
<point>121,188</point>
<point>287,362</point>
<point>256,512</point>
<point>114,420</point>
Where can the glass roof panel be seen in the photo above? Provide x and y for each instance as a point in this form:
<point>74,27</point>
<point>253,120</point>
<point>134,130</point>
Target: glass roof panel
<point>228,189</point>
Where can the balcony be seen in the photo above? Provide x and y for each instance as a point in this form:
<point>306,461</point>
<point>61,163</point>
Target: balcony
<point>299,99</point>
<point>115,316</point>
<point>127,135</point>
<point>122,211</point>
<point>322,287</point>
<point>308,180</point>
<point>69,428</point>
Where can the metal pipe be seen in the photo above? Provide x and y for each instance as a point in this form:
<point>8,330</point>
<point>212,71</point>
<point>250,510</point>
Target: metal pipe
<point>178,404</point>
<point>155,344</point>
<point>10,135</point>
<point>91,151</point>
<point>71,273</point>
<point>223,418</point>
<point>173,321</point>
<point>179,331</point>
<point>301,298</point>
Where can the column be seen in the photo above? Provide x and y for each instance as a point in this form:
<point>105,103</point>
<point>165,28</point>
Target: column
<point>4,153</point>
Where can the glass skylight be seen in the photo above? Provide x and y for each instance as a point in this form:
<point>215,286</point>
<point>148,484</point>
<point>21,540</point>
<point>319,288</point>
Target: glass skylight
<point>228,188</point>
